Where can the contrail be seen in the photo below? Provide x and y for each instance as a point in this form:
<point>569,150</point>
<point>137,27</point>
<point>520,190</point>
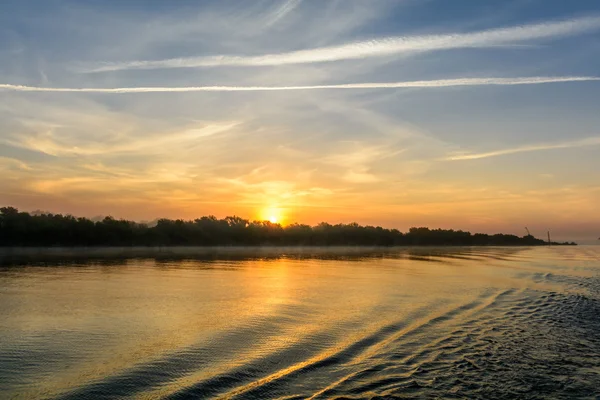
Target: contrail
<point>373,48</point>
<point>371,85</point>
<point>592,141</point>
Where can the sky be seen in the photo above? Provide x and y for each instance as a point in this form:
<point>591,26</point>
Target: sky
<point>463,114</point>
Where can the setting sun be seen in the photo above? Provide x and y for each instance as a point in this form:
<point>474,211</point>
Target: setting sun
<point>272,214</point>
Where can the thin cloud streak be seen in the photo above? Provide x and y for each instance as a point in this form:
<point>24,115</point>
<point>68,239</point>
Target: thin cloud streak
<point>373,48</point>
<point>593,141</point>
<point>282,11</point>
<point>440,83</point>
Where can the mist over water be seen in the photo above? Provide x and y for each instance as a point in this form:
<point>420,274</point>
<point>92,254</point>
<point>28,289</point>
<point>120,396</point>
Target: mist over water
<point>284,323</point>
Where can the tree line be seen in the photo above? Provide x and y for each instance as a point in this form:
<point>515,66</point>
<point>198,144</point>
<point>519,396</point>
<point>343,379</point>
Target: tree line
<point>46,229</point>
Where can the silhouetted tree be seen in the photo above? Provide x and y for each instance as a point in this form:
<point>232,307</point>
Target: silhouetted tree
<point>46,229</point>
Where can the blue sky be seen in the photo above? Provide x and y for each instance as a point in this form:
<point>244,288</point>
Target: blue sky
<point>479,115</point>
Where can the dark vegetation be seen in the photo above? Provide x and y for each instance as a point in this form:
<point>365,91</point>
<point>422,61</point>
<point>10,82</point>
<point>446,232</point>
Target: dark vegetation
<point>24,229</point>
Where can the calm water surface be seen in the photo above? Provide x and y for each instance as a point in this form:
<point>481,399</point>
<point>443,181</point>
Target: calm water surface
<point>400,323</point>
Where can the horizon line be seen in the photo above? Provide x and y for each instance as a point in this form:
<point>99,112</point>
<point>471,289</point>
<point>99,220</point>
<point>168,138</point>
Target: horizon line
<point>149,223</point>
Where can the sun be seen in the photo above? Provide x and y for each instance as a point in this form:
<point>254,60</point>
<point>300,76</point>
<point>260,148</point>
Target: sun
<point>272,214</point>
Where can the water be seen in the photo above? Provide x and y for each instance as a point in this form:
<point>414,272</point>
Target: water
<point>401,323</point>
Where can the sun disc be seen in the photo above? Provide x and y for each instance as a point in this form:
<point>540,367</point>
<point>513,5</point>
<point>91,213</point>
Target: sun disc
<point>272,214</point>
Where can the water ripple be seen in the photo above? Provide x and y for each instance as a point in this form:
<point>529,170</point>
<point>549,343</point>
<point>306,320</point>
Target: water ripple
<point>429,323</point>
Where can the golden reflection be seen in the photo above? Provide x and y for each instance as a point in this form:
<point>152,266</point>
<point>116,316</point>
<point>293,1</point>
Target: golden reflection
<point>176,323</point>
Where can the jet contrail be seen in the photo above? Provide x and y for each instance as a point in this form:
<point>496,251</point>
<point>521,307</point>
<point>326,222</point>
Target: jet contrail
<point>591,141</point>
<point>440,83</point>
<point>371,48</point>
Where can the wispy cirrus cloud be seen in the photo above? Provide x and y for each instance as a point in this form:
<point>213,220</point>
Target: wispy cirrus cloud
<point>439,83</point>
<point>372,48</point>
<point>50,143</point>
<point>280,12</point>
<point>592,141</point>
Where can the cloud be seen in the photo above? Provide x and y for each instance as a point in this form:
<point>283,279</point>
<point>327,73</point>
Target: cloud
<point>281,11</point>
<point>593,141</point>
<point>360,177</point>
<point>360,157</point>
<point>372,48</point>
<point>10,163</point>
<point>49,142</point>
<point>370,85</point>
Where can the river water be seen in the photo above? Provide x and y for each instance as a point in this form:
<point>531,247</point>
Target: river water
<point>283,323</point>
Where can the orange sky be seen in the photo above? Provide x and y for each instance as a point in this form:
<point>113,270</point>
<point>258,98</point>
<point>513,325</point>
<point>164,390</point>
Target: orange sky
<point>358,114</point>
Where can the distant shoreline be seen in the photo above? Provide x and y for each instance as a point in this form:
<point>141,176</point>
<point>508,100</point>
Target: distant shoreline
<point>237,248</point>
<point>27,255</point>
<point>222,251</point>
<point>21,229</point>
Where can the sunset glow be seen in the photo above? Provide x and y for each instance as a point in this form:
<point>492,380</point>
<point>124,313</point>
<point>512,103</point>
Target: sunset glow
<point>346,113</point>
<point>272,214</point>
<point>299,199</point>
